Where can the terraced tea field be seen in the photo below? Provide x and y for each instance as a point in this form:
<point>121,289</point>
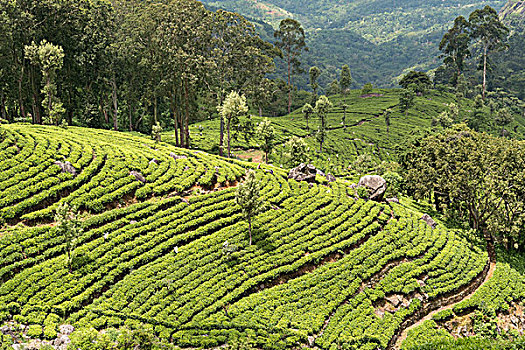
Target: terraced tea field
<point>326,269</point>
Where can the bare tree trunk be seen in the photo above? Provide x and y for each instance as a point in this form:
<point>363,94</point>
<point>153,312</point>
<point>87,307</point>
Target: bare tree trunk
<point>175,112</point>
<point>260,112</point>
<point>115,104</point>
<point>289,84</point>
<point>228,129</point>
<point>130,118</point>
<point>187,114</point>
<point>2,106</point>
<point>20,99</point>
<point>155,110</point>
<point>484,71</point>
<point>221,139</point>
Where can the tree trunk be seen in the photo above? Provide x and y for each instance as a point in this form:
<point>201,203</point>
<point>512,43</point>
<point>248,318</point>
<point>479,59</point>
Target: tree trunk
<point>175,112</point>
<point>187,114</point>
<point>155,110</point>
<point>228,130</point>
<point>115,104</point>
<point>484,70</point>
<point>260,112</point>
<point>289,83</point>
<point>20,99</point>
<point>250,228</point>
<point>130,118</point>
<point>490,245</point>
<point>2,106</point>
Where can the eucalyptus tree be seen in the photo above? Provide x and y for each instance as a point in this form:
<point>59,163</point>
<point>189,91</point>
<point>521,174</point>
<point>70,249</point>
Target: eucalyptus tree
<point>314,74</point>
<point>291,40</point>
<point>455,46</point>
<point>490,32</point>
<point>266,133</point>
<point>322,107</point>
<point>346,80</point>
<point>307,111</point>
<point>233,108</point>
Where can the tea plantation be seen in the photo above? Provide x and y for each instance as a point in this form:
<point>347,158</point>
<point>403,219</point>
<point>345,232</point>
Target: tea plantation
<point>164,246</point>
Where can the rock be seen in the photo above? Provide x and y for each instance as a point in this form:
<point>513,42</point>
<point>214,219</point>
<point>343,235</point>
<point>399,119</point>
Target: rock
<point>514,320</point>
<point>156,161</point>
<point>394,300</point>
<point>61,342</point>
<point>330,178</point>
<point>353,186</point>
<point>392,200</point>
<point>67,329</point>
<point>5,330</point>
<point>430,222</point>
<point>138,176</point>
<point>304,172</point>
<point>67,167</point>
<point>311,341</point>
<point>376,186</point>
<point>176,156</point>
<point>18,346</point>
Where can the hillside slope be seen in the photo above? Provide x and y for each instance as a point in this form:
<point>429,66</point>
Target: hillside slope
<point>378,39</point>
<point>325,268</point>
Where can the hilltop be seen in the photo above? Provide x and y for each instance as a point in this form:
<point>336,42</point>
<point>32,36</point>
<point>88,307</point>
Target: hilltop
<point>379,40</point>
<point>326,269</point>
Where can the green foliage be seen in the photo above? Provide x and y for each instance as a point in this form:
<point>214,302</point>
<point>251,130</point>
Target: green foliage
<point>266,133</point>
<point>322,107</point>
<point>296,152</point>
<point>156,131</point>
<point>346,79</point>
<point>406,101</point>
<point>248,198</point>
<point>69,227</point>
<point>232,109</point>
<point>367,89</point>
<point>420,80</point>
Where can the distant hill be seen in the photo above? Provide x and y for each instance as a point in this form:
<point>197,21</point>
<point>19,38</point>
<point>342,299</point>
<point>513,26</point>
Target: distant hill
<point>513,11</point>
<point>380,40</point>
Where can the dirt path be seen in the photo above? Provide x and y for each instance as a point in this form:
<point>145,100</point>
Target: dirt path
<point>404,334</point>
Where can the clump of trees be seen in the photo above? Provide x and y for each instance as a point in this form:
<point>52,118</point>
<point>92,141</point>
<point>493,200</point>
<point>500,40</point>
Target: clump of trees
<point>248,198</point>
<point>473,176</point>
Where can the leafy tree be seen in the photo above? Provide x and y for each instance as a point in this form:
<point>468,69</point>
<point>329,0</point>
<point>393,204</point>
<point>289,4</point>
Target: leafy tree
<point>478,176</point>
<point>314,74</point>
<point>503,118</point>
<point>266,133</point>
<point>296,151</point>
<point>420,80</point>
<point>346,80</point>
<point>333,88</point>
<point>50,59</point>
<point>291,39</point>
<point>487,29</point>
<point>455,46</point>
<point>367,89</point>
<point>68,227</point>
<point>322,107</point>
<point>231,110</point>
<point>156,131</point>
<point>248,198</point>
<point>387,114</point>
<point>443,119</point>
<point>406,101</point>
<point>307,110</point>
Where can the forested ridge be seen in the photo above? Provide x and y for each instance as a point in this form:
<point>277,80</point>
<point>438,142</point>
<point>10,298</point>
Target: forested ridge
<point>177,176</point>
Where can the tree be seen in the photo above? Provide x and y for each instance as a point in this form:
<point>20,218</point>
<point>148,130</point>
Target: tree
<point>344,106</point>
<point>248,198</point>
<point>406,101</point>
<point>68,227</point>
<point>503,118</point>
<point>387,120</point>
<point>455,46</point>
<point>307,110</point>
<point>322,107</point>
<point>443,119</point>
<point>315,72</point>
<point>367,89</point>
<point>291,40</point>
<point>333,88</point>
<point>50,59</point>
<point>266,133</point>
<point>296,151</point>
<point>420,80</point>
<point>230,111</point>
<point>487,29</point>
<point>346,80</point>
<point>156,131</point>
<point>478,176</point>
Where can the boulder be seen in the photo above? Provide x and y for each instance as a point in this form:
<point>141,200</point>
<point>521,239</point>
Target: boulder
<point>376,186</point>
<point>61,342</point>
<point>67,329</point>
<point>330,177</point>
<point>138,176</point>
<point>67,167</point>
<point>392,200</point>
<point>304,172</point>
<point>430,222</point>
<point>176,156</point>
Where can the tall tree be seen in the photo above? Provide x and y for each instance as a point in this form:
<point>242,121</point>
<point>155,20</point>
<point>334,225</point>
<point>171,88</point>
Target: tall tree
<point>315,72</point>
<point>487,29</point>
<point>322,107</point>
<point>249,199</point>
<point>346,80</point>
<point>233,108</point>
<point>266,133</point>
<point>291,40</point>
<point>406,101</point>
<point>307,110</point>
<point>68,227</point>
<point>455,46</point>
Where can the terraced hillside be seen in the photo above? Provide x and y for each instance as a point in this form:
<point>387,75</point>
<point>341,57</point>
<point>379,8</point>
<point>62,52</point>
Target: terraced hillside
<point>364,131</point>
<point>326,269</point>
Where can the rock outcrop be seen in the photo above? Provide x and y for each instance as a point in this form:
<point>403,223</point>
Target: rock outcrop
<point>67,167</point>
<point>376,186</point>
